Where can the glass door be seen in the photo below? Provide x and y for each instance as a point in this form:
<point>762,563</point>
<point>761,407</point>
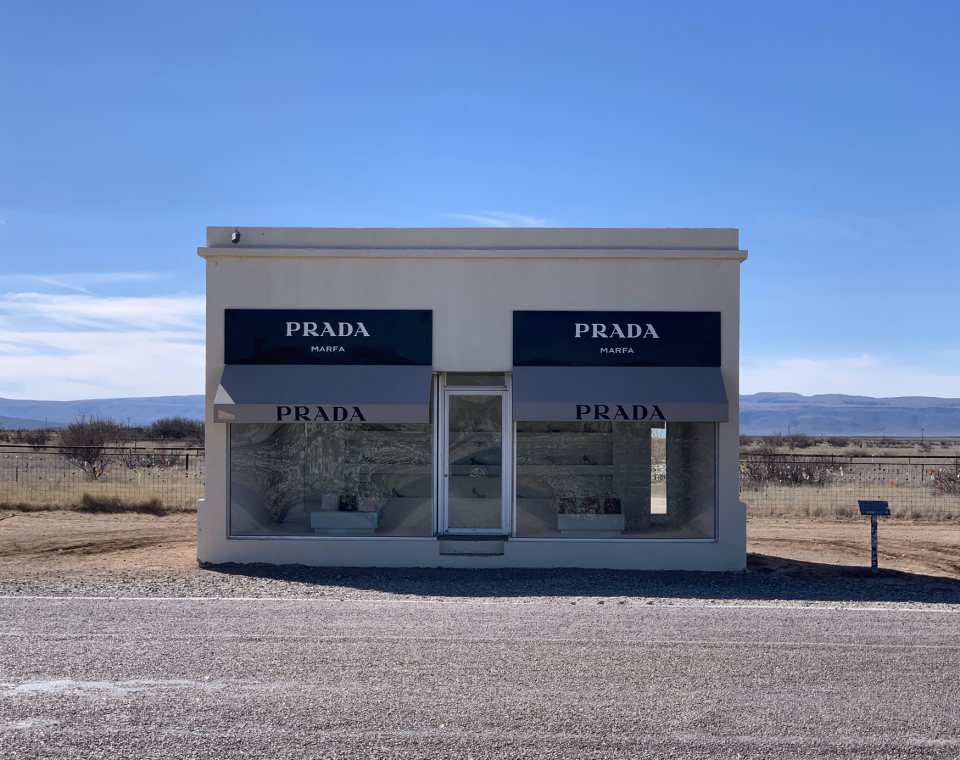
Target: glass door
<point>474,478</point>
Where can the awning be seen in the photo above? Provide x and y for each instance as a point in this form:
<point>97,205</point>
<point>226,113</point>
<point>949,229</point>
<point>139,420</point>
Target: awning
<point>674,394</point>
<point>311,393</point>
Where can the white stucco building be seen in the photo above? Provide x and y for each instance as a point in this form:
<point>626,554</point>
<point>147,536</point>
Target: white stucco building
<point>473,398</point>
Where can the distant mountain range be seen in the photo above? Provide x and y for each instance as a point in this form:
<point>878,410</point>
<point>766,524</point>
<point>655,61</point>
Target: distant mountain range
<point>834,414</point>
<point>760,413</point>
<point>30,415</point>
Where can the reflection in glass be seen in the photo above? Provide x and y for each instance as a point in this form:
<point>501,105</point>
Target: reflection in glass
<point>475,454</point>
<point>615,480</point>
<point>658,469</point>
<point>346,479</point>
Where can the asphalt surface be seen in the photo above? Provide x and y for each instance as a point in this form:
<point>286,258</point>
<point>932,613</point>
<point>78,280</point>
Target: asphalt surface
<point>343,671</point>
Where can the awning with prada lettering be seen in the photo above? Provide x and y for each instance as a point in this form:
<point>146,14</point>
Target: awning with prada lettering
<point>567,394</point>
<point>323,393</point>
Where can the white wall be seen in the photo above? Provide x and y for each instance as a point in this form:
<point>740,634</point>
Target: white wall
<point>473,285</point>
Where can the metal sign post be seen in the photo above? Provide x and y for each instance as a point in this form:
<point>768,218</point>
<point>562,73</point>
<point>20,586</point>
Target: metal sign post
<point>874,508</point>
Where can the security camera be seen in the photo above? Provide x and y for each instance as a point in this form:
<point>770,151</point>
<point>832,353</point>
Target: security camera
<point>235,237</point>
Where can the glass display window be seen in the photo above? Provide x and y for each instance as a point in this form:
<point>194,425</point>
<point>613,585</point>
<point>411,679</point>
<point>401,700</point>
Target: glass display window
<point>615,479</point>
<point>331,480</point>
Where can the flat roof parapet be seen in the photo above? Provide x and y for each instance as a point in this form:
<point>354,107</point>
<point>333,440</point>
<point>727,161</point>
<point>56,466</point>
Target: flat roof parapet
<point>466,242</point>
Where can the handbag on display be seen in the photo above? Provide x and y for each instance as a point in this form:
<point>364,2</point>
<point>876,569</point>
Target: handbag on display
<point>590,505</point>
<point>348,502</point>
<point>612,504</point>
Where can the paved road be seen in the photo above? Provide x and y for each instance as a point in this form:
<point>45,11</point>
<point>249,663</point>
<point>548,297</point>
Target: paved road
<point>294,678</point>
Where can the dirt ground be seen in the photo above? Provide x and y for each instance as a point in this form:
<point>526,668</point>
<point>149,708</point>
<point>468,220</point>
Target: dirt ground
<point>36,544</point>
<point>40,543</point>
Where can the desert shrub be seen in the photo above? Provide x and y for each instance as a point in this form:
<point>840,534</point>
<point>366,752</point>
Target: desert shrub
<point>774,439</point>
<point>116,505</point>
<point>176,429</point>
<point>131,433</point>
<point>746,440</point>
<point>84,443</point>
<point>144,459</point>
<point>838,442</point>
<point>946,480</point>
<point>768,465</point>
<point>36,438</point>
<point>925,446</point>
<point>29,506</point>
<point>799,440</point>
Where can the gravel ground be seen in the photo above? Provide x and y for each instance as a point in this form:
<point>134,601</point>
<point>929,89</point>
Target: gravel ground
<point>485,672</point>
<point>115,645</point>
<point>769,580</point>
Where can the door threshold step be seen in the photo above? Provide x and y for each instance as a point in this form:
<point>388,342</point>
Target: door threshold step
<point>485,547</point>
<point>473,537</point>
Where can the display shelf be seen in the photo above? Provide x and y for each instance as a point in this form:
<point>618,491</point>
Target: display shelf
<point>336,522</point>
<point>413,469</point>
<point>467,470</point>
<point>591,526</point>
<point>596,470</point>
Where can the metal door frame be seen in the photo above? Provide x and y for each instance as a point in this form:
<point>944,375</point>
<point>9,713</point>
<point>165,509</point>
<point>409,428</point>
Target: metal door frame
<point>506,457</point>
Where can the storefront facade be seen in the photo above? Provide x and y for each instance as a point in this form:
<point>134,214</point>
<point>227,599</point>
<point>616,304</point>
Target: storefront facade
<point>473,398</point>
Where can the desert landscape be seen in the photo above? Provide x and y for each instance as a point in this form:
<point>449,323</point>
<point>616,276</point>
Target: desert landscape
<point>63,544</point>
<point>801,492</point>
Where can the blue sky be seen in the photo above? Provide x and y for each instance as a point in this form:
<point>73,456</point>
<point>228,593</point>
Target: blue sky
<point>826,132</point>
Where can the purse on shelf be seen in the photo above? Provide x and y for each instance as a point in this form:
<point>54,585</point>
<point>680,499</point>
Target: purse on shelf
<point>348,502</point>
<point>612,504</point>
<point>590,505</point>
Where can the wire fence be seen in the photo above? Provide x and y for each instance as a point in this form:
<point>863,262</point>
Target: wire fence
<point>798,485</point>
<point>46,477</point>
<point>772,485</point>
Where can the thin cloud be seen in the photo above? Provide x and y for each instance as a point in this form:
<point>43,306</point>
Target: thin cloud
<point>78,281</point>
<point>83,346</point>
<point>37,311</point>
<point>501,219</point>
<point>858,228</point>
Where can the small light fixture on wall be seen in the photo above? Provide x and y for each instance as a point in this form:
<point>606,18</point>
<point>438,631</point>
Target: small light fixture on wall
<point>235,237</point>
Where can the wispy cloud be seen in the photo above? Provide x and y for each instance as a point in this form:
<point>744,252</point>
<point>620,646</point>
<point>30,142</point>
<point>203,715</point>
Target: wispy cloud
<point>855,228</point>
<point>118,313</point>
<point>77,281</point>
<point>84,346</point>
<point>864,375</point>
<point>501,219</point>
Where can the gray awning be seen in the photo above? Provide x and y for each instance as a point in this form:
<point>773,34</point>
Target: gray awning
<point>311,393</point>
<point>674,394</point>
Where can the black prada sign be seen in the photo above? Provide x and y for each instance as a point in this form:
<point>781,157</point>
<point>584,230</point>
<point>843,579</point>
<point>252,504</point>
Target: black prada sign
<point>616,338</point>
<point>320,414</point>
<point>619,412</point>
<point>341,336</point>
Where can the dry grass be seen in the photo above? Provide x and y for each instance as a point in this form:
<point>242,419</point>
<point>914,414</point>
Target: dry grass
<point>98,504</point>
<point>41,481</point>
<point>839,501</point>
